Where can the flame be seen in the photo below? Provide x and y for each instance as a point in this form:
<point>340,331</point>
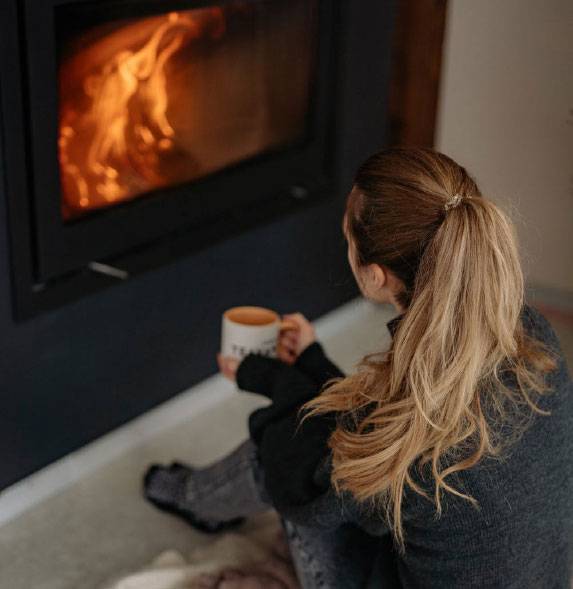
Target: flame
<point>115,130</point>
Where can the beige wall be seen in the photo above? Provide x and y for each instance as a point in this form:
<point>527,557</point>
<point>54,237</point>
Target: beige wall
<point>506,114</point>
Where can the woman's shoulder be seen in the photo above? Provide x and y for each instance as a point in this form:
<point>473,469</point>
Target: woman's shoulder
<point>538,326</point>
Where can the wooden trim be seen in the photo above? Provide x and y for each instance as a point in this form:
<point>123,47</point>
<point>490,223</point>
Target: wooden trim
<point>417,60</point>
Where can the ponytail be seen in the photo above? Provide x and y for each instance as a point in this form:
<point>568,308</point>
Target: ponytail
<point>440,394</point>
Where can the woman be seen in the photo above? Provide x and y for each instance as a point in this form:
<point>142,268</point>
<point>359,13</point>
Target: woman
<point>444,461</point>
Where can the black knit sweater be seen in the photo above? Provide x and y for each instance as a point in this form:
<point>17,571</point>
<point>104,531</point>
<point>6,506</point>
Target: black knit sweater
<point>521,535</point>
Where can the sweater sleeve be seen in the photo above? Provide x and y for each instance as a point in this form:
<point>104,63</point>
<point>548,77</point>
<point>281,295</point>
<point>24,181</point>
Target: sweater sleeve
<point>257,373</point>
<point>300,489</point>
<point>295,457</point>
<point>262,375</point>
<point>286,386</point>
<point>315,363</point>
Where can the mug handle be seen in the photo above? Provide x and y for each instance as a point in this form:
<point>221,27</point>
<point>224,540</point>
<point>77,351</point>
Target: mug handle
<point>286,325</point>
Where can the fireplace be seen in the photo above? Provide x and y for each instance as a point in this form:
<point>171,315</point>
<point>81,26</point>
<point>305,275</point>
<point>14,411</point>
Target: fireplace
<point>144,129</point>
<point>97,339</point>
<point>152,102</point>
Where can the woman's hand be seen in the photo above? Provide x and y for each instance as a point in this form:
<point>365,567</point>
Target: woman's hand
<point>228,366</point>
<point>293,342</point>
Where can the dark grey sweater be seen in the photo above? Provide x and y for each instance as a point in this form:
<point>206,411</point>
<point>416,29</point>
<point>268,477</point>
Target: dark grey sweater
<point>520,537</point>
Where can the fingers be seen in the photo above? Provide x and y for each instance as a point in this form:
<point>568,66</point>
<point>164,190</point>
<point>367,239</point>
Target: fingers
<point>286,349</point>
<point>297,318</point>
<point>226,361</point>
<point>286,355</point>
<point>289,345</point>
<point>227,365</point>
<point>289,339</point>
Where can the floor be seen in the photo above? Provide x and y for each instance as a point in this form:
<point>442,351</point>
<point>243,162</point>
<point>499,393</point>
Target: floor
<point>95,525</point>
<point>83,521</point>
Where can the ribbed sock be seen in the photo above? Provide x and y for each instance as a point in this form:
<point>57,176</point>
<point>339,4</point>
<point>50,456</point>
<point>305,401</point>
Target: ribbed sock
<point>166,488</point>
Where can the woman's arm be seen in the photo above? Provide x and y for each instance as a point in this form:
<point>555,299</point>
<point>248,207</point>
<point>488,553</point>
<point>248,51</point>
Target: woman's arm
<point>286,386</point>
<point>297,469</point>
<point>301,348</point>
<point>295,457</point>
<point>315,363</point>
<point>289,451</point>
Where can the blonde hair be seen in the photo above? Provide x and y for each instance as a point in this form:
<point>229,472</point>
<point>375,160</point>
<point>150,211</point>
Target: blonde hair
<point>459,339</point>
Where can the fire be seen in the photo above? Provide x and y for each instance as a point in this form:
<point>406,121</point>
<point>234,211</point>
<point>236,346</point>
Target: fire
<point>115,131</point>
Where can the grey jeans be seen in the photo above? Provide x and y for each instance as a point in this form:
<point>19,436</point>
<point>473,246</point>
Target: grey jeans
<point>234,486</point>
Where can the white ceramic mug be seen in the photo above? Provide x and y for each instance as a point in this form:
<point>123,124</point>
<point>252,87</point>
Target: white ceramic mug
<point>251,329</point>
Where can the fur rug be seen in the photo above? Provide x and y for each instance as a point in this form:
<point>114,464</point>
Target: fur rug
<point>256,560</point>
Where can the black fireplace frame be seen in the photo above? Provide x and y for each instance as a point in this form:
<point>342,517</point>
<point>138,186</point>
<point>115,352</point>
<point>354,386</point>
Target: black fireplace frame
<point>81,370</point>
<point>55,262</point>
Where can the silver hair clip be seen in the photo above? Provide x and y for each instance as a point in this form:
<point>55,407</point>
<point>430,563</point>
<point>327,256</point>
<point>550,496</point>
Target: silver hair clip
<point>454,201</point>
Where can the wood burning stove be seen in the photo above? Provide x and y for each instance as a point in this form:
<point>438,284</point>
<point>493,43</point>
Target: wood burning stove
<point>152,102</point>
<point>87,367</point>
<point>136,130</point>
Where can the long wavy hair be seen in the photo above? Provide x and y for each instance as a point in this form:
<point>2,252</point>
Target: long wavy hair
<point>440,396</point>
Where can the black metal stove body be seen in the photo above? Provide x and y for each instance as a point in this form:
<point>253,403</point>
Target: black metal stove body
<point>78,80</point>
<point>98,357</point>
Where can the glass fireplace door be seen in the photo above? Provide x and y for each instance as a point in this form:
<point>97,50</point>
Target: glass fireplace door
<point>149,121</point>
<point>152,102</point>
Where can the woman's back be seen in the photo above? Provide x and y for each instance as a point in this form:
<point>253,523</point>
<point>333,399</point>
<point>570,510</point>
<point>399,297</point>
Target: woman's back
<point>446,430</point>
<point>471,474</point>
<point>521,535</point>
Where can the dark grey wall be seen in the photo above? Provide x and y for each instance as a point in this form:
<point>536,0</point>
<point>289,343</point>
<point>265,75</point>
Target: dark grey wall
<point>73,374</point>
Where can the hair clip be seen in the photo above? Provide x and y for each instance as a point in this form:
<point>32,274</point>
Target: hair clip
<point>454,201</point>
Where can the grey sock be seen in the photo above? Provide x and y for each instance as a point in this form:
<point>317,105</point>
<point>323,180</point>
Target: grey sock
<point>168,488</point>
